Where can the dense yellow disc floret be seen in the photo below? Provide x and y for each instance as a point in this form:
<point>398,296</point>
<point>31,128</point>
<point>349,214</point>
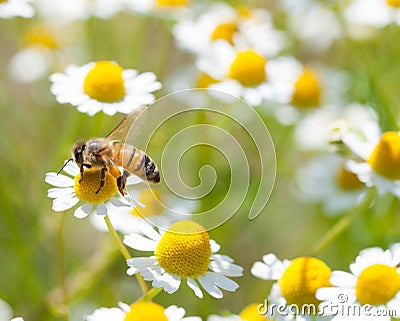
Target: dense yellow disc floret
<point>184,250</point>
<point>307,90</point>
<point>347,180</point>
<point>146,311</point>
<point>248,68</point>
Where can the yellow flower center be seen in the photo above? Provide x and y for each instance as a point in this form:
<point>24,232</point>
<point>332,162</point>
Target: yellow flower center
<point>205,80</point>
<point>377,284</point>
<point>244,12</point>
<point>250,313</point>
<point>148,311</point>
<point>385,158</point>
<point>248,68</point>
<point>301,280</point>
<point>225,31</point>
<point>104,82</point>
<point>42,36</point>
<point>89,185</point>
<point>171,3</point>
<point>307,91</point>
<point>1,1</point>
<point>184,250</point>
<point>393,3</point>
<point>151,200</point>
<point>347,180</point>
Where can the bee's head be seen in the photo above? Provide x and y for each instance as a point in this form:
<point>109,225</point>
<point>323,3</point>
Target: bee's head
<point>77,152</point>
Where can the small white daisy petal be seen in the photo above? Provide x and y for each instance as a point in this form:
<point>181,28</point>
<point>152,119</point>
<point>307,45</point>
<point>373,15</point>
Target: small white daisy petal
<point>223,264</point>
<point>101,209</point>
<point>63,204</point>
<point>83,210</point>
<point>223,282</point>
<point>140,243</point>
<point>215,247</point>
<point>58,180</point>
<point>104,314</point>
<point>196,289</point>
<point>341,278</point>
<point>207,282</point>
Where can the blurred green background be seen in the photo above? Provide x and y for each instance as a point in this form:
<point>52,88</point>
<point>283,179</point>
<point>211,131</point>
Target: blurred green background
<point>40,250</point>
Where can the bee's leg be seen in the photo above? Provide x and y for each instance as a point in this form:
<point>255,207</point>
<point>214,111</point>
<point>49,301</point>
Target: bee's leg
<point>102,178</point>
<point>121,182</point>
<point>82,168</point>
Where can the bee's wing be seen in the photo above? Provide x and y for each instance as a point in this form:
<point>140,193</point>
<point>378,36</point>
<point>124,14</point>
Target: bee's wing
<point>120,132</point>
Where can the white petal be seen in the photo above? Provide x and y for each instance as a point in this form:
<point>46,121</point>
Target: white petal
<point>222,281</point>
<point>169,282</point>
<point>343,279</point>
<point>65,192</point>
<point>207,283</point>
<point>59,180</point>
<point>196,289</point>
<point>150,232</point>
<point>104,314</point>
<point>174,313</point>
<point>119,202</point>
<point>139,242</point>
<point>101,210</point>
<point>141,262</point>
<point>215,247</point>
<point>222,264</point>
<point>83,210</point>
<point>62,204</point>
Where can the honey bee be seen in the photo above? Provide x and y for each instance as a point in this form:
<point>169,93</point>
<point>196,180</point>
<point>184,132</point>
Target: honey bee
<point>110,152</point>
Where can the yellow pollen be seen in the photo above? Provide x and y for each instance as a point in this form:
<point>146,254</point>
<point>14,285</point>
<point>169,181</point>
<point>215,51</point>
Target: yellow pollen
<point>248,68</point>
<point>151,200</point>
<point>393,3</point>
<point>347,180</point>
<point>42,36</point>
<point>250,313</point>
<point>225,31</point>
<point>244,12</point>
<point>307,90</point>
<point>87,188</point>
<point>104,82</point>
<point>301,280</point>
<point>377,284</point>
<point>205,80</point>
<point>172,3</point>
<point>385,158</point>
<point>148,311</point>
<point>184,250</point>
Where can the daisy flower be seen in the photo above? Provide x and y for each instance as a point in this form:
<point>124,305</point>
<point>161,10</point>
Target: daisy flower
<point>16,8</point>
<point>223,22</point>
<point>183,251</point>
<point>69,190</point>
<point>244,73</point>
<point>313,23</point>
<point>163,8</point>
<point>297,282</point>
<point>363,14</point>
<point>249,313</point>
<point>326,180</point>
<point>104,86</point>
<point>325,126</point>
<point>374,281</point>
<point>128,219</point>
<point>378,158</point>
<point>140,311</point>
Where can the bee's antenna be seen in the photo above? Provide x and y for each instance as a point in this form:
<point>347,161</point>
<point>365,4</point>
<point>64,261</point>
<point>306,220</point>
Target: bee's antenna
<point>65,164</point>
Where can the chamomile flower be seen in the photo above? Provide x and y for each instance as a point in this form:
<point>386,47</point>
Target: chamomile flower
<point>249,313</point>
<point>163,8</point>
<point>360,15</point>
<point>326,180</point>
<point>297,283</point>
<point>16,8</point>
<point>104,86</point>
<point>326,126</point>
<point>151,210</point>
<point>244,73</point>
<point>70,189</point>
<point>140,311</point>
<point>378,162</point>
<point>374,281</point>
<point>252,27</point>
<point>313,23</point>
<point>183,251</point>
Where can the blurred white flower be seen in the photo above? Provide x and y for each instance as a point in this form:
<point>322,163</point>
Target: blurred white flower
<point>104,86</point>
<point>16,8</point>
<point>6,311</point>
<point>241,25</point>
<point>164,9</point>
<point>325,180</point>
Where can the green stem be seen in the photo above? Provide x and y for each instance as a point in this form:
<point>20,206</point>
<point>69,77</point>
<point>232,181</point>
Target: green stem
<point>124,251</point>
<point>150,295</point>
<point>64,290</point>
<point>343,223</point>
